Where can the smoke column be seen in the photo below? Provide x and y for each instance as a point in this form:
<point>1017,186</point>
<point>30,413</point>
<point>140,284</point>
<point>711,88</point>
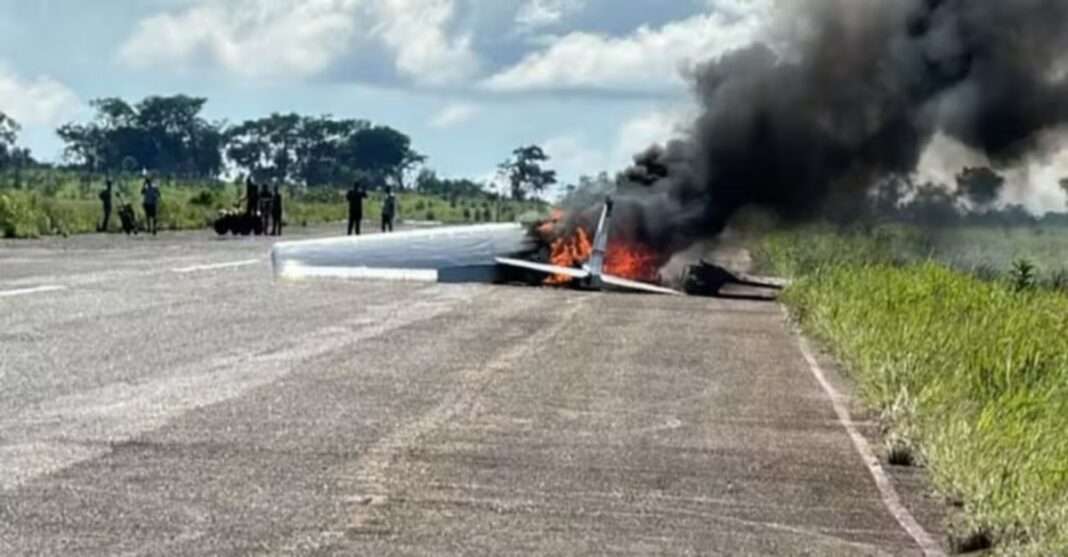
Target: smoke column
<point>849,94</point>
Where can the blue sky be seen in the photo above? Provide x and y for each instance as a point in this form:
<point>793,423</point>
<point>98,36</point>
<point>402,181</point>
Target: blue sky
<point>591,80</point>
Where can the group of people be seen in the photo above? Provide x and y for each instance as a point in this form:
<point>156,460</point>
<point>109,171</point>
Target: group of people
<point>355,197</point>
<point>259,200</point>
<point>150,199</point>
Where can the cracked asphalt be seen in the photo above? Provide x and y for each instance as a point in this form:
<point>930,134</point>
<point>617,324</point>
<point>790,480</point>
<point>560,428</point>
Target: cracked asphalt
<point>167,397</point>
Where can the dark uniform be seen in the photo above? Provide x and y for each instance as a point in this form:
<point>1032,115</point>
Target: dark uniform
<point>266,208</point>
<point>276,213</point>
<point>252,197</point>
<point>389,211</point>
<point>105,198</point>
<point>150,198</point>
<point>355,197</point>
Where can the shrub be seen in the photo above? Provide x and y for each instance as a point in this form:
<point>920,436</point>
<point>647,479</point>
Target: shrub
<point>21,216</point>
<point>206,198</point>
<point>1023,275</point>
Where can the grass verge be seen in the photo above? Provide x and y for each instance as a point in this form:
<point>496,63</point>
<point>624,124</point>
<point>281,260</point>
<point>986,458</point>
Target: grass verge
<point>972,375</point>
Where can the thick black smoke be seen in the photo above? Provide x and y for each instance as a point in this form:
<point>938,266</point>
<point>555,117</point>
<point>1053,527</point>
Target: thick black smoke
<point>848,97</point>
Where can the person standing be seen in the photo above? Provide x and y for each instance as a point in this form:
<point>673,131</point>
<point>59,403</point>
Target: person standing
<point>105,199</point>
<point>355,197</point>
<point>266,207</point>
<point>389,210</point>
<point>150,198</point>
<point>252,197</point>
<point>276,212</point>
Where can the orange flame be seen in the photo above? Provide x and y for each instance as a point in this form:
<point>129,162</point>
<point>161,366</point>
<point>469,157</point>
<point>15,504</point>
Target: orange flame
<point>629,261</point>
<point>632,261</point>
<point>570,251</point>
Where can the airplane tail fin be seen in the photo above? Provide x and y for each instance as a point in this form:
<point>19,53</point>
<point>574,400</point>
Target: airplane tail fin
<point>600,242</point>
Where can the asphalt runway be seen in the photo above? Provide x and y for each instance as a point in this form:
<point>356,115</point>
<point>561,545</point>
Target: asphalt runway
<point>165,396</point>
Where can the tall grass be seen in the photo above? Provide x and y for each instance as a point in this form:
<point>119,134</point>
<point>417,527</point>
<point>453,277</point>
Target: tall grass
<point>971,374</point>
<point>987,253</point>
<point>30,214</point>
<point>55,206</point>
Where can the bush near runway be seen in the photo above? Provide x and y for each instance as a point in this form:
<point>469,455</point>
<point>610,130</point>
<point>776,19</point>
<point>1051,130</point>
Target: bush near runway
<point>970,372</point>
<point>68,206</point>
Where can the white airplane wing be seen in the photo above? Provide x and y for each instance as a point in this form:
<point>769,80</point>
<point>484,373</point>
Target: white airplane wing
<point>640,286</point>
<point>543,268</point>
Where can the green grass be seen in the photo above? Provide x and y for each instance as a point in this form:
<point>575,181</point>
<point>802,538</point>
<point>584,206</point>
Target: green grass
<point>993,251</point>
<point>57,204</point>
<point>970,375</point>
<point>989,253</point>
<point>30,214</point>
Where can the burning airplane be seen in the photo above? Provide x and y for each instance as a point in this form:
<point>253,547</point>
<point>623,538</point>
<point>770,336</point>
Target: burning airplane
<point>597,265</point>
<point>547,254</point>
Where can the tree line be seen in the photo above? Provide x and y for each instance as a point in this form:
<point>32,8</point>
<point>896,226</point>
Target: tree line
<point>974,201</point>
<point>170,136</point>
<point>11,156</point>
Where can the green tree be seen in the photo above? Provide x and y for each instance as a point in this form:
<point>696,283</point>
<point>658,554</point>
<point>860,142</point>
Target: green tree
<point>182,142</point>
<point>266,147</point>
<point>429,183</point>
<point>525,172</point>
<point>382,154</point>
<point>320,153</point>
<point>11,156</point>
<point>9,131</point>
<point>317,151</point>
<point>166,135</point>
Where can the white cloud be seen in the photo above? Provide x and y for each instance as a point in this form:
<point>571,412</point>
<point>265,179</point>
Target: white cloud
<point>452,115</point>
<point>416,31</point>
<point>38,102</point>
<point>251,38</point>
<point>534,14</point>
<point>294,39</point>
<point>570,156</point>
<point>647,60</point>
<point>302,38</point>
